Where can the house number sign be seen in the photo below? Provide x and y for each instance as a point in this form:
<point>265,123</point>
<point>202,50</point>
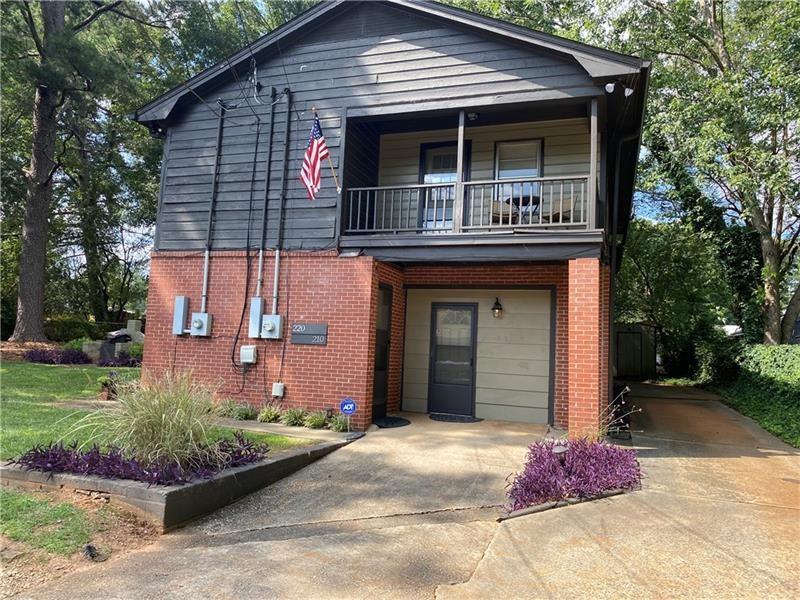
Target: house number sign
<point>313,334</point>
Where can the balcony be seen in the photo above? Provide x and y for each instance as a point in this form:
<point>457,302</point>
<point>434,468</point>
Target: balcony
<point>493,206</point>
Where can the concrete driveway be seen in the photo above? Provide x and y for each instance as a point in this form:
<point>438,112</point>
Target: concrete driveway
<point>409,513</point>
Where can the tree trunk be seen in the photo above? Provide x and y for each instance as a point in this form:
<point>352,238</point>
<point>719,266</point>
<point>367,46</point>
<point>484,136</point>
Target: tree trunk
<point>30,301</point>
<point>790,316</point>
<point>772,293</point>
<point>38,198</point>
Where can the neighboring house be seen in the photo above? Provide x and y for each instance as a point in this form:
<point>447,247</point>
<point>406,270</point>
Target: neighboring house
<point>483,165</point>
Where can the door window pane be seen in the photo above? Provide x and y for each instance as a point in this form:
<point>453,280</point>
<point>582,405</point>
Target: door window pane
<point>453,353</point>
<point>440,165</point>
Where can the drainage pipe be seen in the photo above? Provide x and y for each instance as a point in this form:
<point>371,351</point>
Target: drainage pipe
<point>266,195</point>
<point>279,240</point>
<point>212,204</point>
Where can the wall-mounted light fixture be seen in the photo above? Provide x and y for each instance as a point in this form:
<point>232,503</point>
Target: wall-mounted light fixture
<point>497,309</point>
<point>610,87</point>
<point>473,116</point>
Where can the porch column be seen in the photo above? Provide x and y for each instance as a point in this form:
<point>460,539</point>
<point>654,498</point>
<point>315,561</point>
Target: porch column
<point>592,195</point>
<point>588,371</point>
<point>458,201</point>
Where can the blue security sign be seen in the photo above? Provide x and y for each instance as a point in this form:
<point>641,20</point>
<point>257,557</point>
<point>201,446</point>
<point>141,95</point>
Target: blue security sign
<point>348,406</point>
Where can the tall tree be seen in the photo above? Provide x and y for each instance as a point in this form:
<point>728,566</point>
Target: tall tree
<point>61,66</point>
<point>725,105</point>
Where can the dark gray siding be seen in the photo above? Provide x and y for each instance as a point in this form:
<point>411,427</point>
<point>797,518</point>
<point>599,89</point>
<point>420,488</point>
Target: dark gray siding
<point>371,58</point>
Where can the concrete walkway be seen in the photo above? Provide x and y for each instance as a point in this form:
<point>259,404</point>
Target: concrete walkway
<point>409,513</point>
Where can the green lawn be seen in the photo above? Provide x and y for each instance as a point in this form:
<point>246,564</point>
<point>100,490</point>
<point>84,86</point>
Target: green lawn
<point>30,413</point>
<point>55,527</point>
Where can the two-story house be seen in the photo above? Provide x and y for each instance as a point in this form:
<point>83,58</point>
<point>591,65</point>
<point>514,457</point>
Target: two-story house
<point>464,265</point>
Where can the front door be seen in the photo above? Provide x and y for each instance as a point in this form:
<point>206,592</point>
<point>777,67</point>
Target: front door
<point>451,379</point>
<point>383,334</point>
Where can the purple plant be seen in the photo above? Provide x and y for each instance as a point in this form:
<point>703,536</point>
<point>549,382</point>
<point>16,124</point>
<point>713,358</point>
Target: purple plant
<point>589,468</point>
<point>123,360</point>
<point>114,464</point>
<point>57,357</point>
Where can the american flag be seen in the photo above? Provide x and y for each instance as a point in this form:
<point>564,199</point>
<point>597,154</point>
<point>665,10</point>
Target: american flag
<point>316,152</point>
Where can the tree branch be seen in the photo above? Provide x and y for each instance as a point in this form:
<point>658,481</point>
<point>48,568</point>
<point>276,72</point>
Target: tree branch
<point>103,8</point>
<point>25,7</point>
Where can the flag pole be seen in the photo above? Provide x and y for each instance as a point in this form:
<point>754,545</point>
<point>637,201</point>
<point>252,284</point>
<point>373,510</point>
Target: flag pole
<point>330,162</point>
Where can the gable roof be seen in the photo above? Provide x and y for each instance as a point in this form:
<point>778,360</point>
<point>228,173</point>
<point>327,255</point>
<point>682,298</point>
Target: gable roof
<point>599,63</point>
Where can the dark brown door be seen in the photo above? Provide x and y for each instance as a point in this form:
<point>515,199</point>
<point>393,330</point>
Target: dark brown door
<point>383,334</point>
<point>451,379</point>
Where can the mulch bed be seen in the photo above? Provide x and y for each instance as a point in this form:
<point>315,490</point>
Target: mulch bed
<point>15,351</point>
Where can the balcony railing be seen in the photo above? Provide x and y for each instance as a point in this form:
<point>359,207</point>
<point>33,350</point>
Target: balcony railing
<point>560,203</point>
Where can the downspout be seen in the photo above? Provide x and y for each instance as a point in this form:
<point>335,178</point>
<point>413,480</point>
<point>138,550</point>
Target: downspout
<point>279,239</point>
<point>266,195</point>
<point>209,226</point>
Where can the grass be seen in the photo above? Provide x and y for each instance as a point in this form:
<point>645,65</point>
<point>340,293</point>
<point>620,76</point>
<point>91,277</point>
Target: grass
<point>31,393</point>
<point>55,527</point>
<point>29,411</point>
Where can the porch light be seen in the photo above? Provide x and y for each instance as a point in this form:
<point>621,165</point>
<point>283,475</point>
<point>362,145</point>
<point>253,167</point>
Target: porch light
<point>497,309</point>
<point>560,452</point>
<point>610,88</point>
<point>473,116</point>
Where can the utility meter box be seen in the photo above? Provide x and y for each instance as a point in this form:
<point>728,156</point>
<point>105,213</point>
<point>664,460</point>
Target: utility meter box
<point>271,327</point>
<point>200,325</point>
<point>179,313</point>
<point>278,389</point>
<point>248,355</point>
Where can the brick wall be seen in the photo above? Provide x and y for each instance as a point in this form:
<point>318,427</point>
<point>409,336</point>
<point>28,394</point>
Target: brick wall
<point>588,344</point>
<point>343,292</point>
<point>314,288</point>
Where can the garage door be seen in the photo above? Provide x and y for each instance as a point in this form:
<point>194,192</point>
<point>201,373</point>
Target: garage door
<point>512,364</point>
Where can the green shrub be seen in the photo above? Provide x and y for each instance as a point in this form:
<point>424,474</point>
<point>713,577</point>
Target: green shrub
<point>768,389</point>
<point>269,414</point>
<point>315,420</point>
<point>136,350</point>
<point>235,410</point>
<point>76,344</point>
<point>338,423</point>
<point>293,416</point>
<point>65,329</point>
<point>166,419</point>
<point>716,357</point>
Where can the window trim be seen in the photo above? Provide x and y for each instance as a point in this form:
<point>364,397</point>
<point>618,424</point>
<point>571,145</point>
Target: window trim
<point>497,143</point>
<point>425,146</point>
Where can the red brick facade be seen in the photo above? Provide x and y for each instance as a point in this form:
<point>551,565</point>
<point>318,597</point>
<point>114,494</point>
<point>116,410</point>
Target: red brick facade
<point>343,292</point>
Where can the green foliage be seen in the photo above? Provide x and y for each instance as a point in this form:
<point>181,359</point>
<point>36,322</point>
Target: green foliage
<point>315,420</point>
<point>65,328</point>
<point>716,357</point>
<point>269,414</point>
<point>671,278</point>
<point>76,344</point>
<point>136,350</point>
<point>232,409</point>
<point>163,419</point>
<point>768,389</point>
<point>59,528</point>
<point>338,423</point>
<point>293,416</point>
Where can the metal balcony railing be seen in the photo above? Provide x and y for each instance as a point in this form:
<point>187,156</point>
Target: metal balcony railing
<point>560,203</point>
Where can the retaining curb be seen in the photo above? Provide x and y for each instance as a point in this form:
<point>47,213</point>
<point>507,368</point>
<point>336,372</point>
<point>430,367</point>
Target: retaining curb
<point>175,505</point>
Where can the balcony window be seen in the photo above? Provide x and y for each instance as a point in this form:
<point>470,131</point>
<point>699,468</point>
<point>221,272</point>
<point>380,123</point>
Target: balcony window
<point>517,160</point>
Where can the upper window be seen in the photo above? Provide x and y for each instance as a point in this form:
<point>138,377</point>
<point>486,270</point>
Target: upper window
<point>518,160</point>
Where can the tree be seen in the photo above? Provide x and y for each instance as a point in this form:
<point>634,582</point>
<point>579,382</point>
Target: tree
<point>725,108</point>
<point>671,278</point>
<point>61,66</point>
